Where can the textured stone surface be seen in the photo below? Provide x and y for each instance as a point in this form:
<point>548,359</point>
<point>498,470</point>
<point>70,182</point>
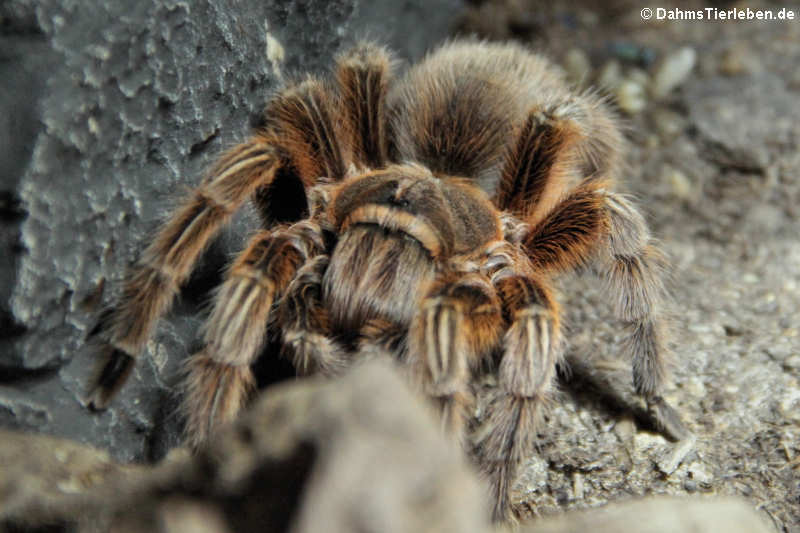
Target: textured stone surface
<point>112,110</point>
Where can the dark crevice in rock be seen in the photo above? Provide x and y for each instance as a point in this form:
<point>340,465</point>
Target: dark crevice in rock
<point>11,209</point>
<point>101,324</point>
<point>285,200</point>
<point>9,327</point>
<point>58,527</point>
<point>17,375</point>
<point>166,425</point>
<point>20,20</point>
<point>200,146</point>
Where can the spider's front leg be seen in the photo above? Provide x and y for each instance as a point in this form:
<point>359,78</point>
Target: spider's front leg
<point>532,348</point>
<point>460,321</point>
<point>219,378</point>
<point>153,283</point>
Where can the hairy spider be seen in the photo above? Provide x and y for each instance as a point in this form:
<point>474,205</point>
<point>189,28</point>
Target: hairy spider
<point>424,217</point>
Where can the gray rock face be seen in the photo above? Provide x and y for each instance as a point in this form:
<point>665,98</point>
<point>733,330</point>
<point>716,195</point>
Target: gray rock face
<point>111,111</point>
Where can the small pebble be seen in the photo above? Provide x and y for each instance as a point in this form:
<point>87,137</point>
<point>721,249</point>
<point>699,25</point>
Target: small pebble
<point>792,362</point>
<point>610,76</point>
<point>789,406</point>
<point>645,441</point>
<point>696,387</point>
<point>632,52</point>
<point>737,60</point>
<point>673,71</point>
<point>669,124</point>
<point>672,461</point>
<point>577,486</point>
<point>71,485</point>
<point>631,97</point>
<point>780,351</point>
<point>639,76</point>
<point>678,182</point>
<point>751,278</point>
<point>701,474</point>
<point>94,127</point>
<point>625,429</point>
<point>577,65</point>
<point>625,50</point>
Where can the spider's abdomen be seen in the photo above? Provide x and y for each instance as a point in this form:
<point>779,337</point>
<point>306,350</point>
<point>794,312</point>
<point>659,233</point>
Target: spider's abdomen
<point>457,110</point>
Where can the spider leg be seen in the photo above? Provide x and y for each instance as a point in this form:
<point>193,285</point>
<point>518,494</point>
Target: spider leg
<point>531,350</point>
<point>219,378</point>
<point>556,237</point>
<point>363,75</point>
<point>594,225</point>
<point>567,237</point>
<point>305,323</point>
<point>560,144</point>
<point>602,144</point>
<point>632,267</point>
<point>154,281</point>
<point>537,166</point>
<point>380,337</point>
<point>460,321</point>
<point>299,137</point>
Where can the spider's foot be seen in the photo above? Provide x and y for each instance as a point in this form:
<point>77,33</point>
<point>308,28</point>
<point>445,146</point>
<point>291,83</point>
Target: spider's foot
<point>503,441</point>
<point>215,393</point>
<point>667,419</point>
<point>114,371</point>
<point>315,353</point>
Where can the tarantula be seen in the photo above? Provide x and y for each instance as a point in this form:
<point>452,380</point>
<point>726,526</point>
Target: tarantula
<point>425,218</point>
